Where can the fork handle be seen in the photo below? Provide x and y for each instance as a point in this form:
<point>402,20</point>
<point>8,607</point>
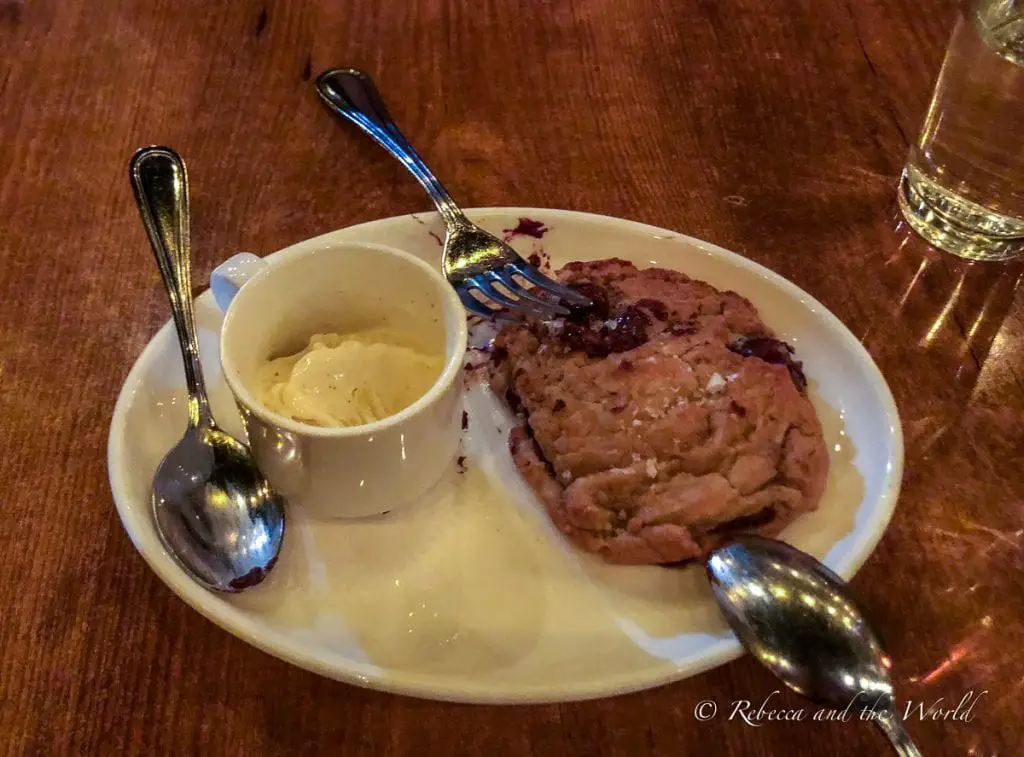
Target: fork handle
<point>352,94</point>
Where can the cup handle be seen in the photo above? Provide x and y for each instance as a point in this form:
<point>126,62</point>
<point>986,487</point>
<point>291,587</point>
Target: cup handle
<point>227,278</point>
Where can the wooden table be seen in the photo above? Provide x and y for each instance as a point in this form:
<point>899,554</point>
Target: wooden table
<point>776,129</point>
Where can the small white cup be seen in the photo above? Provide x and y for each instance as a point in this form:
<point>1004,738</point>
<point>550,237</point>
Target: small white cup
<point>272,309</point>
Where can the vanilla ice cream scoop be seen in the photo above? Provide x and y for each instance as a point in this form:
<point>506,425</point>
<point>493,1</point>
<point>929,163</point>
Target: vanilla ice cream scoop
<point>348,379</point>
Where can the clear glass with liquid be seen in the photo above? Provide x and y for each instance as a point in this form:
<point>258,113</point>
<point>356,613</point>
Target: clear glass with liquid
<point>963,186</point>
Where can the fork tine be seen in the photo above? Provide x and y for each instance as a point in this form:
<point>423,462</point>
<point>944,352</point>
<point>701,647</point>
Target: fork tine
<point>538,279</point>
<point>504,277</point>
<point>487,289</point>
<point>475,306</point>
<point>471,303</point>
<point>522,306</point>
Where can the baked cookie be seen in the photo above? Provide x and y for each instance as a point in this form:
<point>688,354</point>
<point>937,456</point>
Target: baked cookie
<point>661,420</point>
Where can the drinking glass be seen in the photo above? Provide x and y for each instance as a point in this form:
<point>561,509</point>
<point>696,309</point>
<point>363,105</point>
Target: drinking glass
<point>963,185</point>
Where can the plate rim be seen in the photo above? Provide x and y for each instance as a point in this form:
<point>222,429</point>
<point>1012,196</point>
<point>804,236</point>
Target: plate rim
<point>366,675</point>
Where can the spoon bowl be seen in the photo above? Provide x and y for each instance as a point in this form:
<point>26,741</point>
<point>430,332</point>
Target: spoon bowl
<point>797,618</point>
<point>215,512</point>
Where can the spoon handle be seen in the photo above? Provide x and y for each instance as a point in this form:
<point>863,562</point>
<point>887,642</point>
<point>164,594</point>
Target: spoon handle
<point>897,735</point>
<point>161,192</point>
<point>352,94</point>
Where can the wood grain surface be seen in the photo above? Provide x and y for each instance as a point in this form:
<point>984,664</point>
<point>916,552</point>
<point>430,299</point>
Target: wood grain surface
<point>776,129</point>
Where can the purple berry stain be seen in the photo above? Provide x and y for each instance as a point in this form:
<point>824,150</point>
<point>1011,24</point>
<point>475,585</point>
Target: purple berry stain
<point>774,351</point>
<point>526,227</point>
<point>596,332</point>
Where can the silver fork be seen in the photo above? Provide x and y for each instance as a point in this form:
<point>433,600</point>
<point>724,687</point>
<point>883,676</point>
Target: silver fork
<point>474,261</point>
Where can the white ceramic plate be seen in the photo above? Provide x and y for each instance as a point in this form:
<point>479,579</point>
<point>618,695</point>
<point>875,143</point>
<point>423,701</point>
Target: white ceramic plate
<point>471,594</point>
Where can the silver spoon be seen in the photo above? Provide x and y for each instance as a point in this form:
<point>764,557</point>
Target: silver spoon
<point>214,511</point>
<point>798,620</point>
